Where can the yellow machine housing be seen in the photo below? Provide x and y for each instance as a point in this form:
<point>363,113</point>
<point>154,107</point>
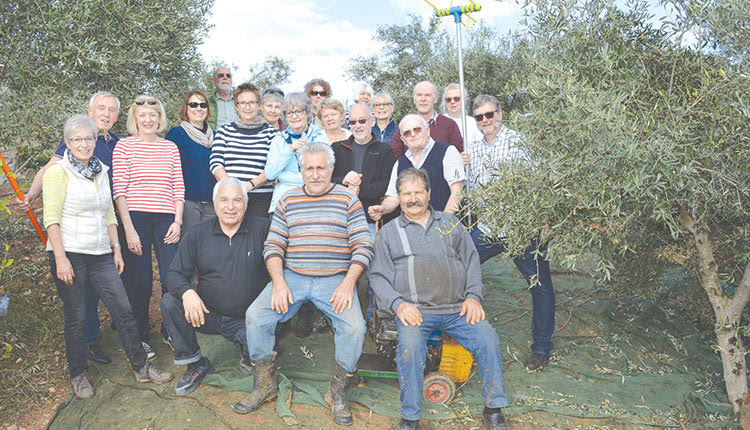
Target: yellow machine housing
<point>456,361</point>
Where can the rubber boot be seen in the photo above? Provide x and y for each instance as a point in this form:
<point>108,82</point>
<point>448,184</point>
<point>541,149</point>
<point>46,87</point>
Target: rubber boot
<point>264,389</point>
<point>336,395</point>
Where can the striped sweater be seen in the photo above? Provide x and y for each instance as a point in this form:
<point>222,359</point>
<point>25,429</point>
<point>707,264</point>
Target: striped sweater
<point>242,152</point>
<point>319,235</point>
<point>148,174</point>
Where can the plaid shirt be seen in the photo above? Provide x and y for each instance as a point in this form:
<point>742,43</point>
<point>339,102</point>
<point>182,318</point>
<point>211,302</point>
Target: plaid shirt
<point>486,158</point>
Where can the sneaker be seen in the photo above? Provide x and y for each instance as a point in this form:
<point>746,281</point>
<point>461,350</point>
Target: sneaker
<point>82,386</point>
<point>150,373</point>
<point>193,377</point>
<point>537,361</point>
<point>94,353</point>
<point>150,353</point>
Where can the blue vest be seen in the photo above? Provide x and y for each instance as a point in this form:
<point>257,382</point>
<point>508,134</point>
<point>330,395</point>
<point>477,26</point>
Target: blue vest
<point>440,191</point>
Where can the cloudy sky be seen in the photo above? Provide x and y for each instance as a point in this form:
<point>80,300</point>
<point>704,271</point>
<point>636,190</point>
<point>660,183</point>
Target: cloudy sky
<point>319,37</point>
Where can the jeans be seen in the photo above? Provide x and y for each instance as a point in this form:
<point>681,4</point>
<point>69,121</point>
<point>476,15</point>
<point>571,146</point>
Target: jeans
<point>480,339</point>
<point>184,339</point>
<point>542,292</point>
<point>196,212</point>
<point>348,326</point>
<point>99,273</point>
<point>151,229</point>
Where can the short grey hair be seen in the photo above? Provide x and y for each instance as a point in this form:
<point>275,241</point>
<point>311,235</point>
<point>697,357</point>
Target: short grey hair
<point>434,88</point>
<point>412,115</point>
<point>78,122</point>
<point>383,94</point>
<point>300,100</point>
<point>411,174</point>
<point>483,99</point>
<point>93,98</point>
<point>229,181</point>
<point>361,88</point>
<point>316,147</point>
<point>273,94</point>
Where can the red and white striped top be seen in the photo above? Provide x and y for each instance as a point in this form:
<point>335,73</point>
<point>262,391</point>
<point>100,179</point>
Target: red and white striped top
<point>148,174</point>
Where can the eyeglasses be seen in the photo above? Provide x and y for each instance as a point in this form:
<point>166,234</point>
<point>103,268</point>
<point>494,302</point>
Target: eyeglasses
<point>380,105</point>
<point>453,99</point>
<point>318,93</point>
<point>248,104</point>
<point>194,105</point>
<point>413,132</point>
<point>293,113</point>
<point>360,121</point>
<point>80,140</point>
<point>489,115</point>
<point>221,75</point>
<point>150,100</point>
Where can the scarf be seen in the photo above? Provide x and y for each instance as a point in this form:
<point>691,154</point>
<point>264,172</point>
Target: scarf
<point>254,124</point>
<point>204,138</point>
<point>94,168</point>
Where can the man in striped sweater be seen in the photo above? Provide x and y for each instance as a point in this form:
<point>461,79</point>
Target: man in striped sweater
<point>317,248</point>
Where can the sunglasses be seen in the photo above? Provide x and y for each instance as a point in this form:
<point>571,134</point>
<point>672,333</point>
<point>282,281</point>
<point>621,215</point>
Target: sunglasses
<point>194,105</point>
<point>362,121</point>
<point>489,115</point>
<point>151,101</point>
<point>413,132</point>
<point>221,75</point>
<point>318,93</point>
<point>453,99</point>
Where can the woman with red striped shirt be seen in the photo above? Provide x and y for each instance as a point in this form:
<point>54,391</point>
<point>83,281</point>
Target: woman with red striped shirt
<point>149,193</point>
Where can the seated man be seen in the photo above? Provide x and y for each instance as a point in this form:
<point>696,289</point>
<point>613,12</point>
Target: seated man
<point>227,254</point>
<point>426,271</point>
<point>317,248</point>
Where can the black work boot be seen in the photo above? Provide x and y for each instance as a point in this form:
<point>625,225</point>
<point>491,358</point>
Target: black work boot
<point>494,419</point>
<point>336,395</point>
<point>265,387</point>
<point>405,424</point>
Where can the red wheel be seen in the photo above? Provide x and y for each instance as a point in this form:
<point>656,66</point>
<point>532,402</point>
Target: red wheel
<point>438,388</point>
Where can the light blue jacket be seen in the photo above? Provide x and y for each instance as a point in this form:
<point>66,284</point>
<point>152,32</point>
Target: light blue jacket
<point>282,163</point>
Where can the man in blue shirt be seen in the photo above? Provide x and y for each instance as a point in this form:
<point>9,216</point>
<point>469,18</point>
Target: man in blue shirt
<point>104,108</point>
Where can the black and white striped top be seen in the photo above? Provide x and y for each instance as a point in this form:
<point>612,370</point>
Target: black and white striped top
<point>242,152</point>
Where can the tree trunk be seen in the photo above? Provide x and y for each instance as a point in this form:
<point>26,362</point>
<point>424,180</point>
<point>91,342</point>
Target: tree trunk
<point>727,311</point>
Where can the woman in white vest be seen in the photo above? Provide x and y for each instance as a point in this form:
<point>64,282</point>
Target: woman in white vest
<point>84,250</point>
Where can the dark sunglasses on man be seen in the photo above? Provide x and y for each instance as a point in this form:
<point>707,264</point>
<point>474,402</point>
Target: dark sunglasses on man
<point>489,115</point>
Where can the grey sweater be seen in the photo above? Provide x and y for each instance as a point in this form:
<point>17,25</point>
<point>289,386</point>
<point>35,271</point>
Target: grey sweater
<point>435,268</point>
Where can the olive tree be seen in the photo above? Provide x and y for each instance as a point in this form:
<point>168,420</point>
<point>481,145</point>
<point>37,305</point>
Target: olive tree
<point>55,54</point>
<point>416,51</point>
<point>638,140</point>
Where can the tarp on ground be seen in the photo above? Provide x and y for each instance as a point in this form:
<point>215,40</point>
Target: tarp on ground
<point>623,359</point>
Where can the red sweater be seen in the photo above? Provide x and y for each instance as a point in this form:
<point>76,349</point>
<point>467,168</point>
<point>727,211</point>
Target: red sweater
<point>148,174</point>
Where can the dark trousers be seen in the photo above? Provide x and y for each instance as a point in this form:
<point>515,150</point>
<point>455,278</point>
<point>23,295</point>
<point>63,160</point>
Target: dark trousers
<point>151,229</point>
<point>259,204</point>
<point>99,273</point>
<point>91,326</point>
<point>183,334</point>
<point>534,269</point>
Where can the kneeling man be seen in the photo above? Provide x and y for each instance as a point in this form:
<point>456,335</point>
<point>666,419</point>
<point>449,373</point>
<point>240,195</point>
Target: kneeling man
<point>317,248</point>
<point>426,271</point>
<point>227,254</point>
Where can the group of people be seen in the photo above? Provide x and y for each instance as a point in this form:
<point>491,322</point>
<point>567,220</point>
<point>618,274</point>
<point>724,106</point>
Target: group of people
<point>259,206</point>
